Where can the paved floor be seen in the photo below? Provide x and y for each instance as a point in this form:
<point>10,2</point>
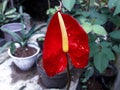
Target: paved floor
<point>11,78</point>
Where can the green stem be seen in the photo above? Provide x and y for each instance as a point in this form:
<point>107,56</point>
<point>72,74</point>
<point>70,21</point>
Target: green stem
<point>48,4</point>
<point>68,73</point>
<point>88,4</point>
<point>117,27</point>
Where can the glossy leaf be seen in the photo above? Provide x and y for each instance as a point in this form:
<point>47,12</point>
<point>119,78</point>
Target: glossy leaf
<point>87,27</point>
<point>117,10</point>
<point>116,48</point>
<point>111,3</point>
<point>13,34</point>
<point>101,61</point>
<point>4,5</point>
<point>93,49</point>
<point>98,29</point>
<point>10,11</point>
<point>109,53</point>
<point>68,4</point>
<point>116,4</point>
<point>115,35</point>
<point>105,44</point>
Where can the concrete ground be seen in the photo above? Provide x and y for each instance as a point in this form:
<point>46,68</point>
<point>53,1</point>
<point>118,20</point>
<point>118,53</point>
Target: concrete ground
<point>11,78</point>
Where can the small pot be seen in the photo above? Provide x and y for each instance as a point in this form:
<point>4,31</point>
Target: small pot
<point>25,63</point>
<point>57,81</point>
<point>40,42</point>
<point>14,27</point>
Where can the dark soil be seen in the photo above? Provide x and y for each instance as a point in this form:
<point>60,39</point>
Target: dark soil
<point>110,71</point>
<point>94,84</point>
<point>25,52</point>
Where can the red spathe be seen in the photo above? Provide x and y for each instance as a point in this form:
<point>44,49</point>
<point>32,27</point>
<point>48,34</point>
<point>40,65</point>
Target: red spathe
<point>54,59</point>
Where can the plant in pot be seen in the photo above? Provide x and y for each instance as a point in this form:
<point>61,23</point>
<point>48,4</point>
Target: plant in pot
<point>24,54</point>
<point>65,46</point>
<point>6,15</point>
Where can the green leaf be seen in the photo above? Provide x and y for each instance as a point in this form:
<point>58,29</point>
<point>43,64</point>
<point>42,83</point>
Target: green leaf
<point>92,3</point>
<point>10,11</point>
<point>115,20</point>
<point>68,4</point>
<point>99,30</point>
<point>93,49</point>
<point>4,3</point>
<point>13,34</point>
<point>111,3</point>
<point>87,27</point>
<point>11,16</point>
<point>4,47</point>
<point>100,61</point>
<point>82,20</point>
<point>89,73</point>
<point>105,44</point>
<point>116,4</point>
<point>92,37</point>
<point>12,48</point>
<point>116,48</point>
<point>115,35</point>
<point>117,9</point>
<point>105,10</point>
<point>109,53</point>
<point>85,14</point>
<point>101,19</point>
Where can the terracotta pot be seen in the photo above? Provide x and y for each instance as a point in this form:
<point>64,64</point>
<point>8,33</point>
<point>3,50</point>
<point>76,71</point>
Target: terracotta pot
<point>57,81</point>
<point>25,63</point>
<point>14,27</point>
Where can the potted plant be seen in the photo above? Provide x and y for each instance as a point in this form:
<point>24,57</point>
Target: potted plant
<point>24,54</point>
<point>56,57</point>
<point>10,19</point>
<point>8,15</point>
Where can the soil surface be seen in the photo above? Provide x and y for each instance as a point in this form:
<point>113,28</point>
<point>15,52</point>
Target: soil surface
<point>94,84</point>
<point>25,52</point>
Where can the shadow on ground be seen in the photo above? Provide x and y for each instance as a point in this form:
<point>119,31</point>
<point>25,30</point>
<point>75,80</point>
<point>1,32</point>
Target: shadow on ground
<point>18,74</point>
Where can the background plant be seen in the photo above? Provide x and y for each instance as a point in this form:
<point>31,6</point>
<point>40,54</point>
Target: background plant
<point>97,18</point>
<point>7,14</point>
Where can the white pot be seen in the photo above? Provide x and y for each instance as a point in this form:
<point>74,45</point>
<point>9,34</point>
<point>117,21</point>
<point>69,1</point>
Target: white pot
<point>27,62</point>
<point>14,27</point>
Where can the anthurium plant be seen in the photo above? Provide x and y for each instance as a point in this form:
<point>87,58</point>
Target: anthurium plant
<point>65,38</point>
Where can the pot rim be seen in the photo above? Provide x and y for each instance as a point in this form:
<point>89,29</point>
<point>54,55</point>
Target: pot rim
<point>14,24</point>
<point>31,45</point>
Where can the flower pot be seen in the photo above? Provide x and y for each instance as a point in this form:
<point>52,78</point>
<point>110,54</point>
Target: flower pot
<point>25,63</point>
<point>39,38</point>
<point>40,42</point>
<point>14,27</point>
<point>57,81</point>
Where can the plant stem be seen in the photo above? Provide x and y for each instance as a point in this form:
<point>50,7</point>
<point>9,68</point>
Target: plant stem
<point>68,73</point>
<point>48,4</point>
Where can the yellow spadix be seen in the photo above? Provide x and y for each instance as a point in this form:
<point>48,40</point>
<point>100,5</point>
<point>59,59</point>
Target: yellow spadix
<point>65,46</point>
